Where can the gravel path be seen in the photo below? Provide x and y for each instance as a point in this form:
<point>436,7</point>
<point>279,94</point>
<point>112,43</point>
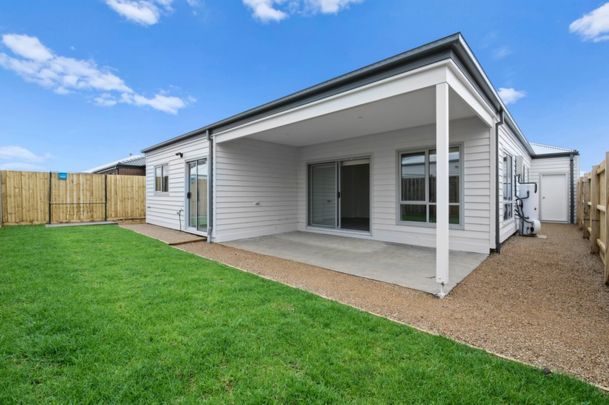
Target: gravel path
<point>540,301</point>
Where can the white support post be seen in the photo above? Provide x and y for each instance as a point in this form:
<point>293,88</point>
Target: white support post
<point>442,174</point>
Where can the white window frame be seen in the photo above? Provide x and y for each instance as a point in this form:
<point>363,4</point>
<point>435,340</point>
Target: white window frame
<point>508,187</point>
<point>164,185</point>
<point>427,203</point>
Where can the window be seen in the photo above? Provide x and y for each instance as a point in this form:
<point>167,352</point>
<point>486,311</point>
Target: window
<point>508,188</point>
<point>161,178</point>
<point>418,186</point>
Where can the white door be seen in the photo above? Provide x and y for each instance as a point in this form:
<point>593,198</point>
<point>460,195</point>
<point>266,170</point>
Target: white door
<point>554,200</point>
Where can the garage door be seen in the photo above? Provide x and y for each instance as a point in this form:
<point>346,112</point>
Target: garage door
<point>554,198</point>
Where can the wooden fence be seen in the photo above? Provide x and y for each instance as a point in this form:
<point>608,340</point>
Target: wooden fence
<point>40,198</point>
<point>592,207</point>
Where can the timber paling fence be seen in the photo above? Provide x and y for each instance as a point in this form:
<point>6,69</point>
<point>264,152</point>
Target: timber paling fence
<point>592,207</point>
<point>54,198</point>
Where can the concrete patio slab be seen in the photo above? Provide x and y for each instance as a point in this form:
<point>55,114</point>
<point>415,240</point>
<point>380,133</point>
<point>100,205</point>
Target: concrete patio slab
<point>404,265</point>
<point>166,235</point>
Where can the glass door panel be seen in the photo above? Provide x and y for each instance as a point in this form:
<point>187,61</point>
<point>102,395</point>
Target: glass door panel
<point>202,195</point>
<point>196,196</point>
<point>323,194</point>
<point>192,195</point>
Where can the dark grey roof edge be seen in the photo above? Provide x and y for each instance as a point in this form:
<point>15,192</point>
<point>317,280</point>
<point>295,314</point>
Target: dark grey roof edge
<point>452,46</point>
<point>326,86</point>
<point>574,152</point>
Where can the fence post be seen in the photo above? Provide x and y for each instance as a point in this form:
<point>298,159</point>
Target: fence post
<point>50,195</point>
<point>1,197</point>
<point>105,197</point>
<point>578,210</point>
<point>605,203</point>
<point>594,217</point>
<point>587,206</point>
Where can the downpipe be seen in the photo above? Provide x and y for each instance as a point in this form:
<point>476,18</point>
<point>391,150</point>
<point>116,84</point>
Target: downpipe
<point>497,234</point>
<point>210,186</point>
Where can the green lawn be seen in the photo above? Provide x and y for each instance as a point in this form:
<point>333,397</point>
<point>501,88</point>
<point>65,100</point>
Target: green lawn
<point>101,314</point>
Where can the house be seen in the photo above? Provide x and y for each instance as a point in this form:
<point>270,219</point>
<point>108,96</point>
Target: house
<point>132,165</point>
<point>417,149</point>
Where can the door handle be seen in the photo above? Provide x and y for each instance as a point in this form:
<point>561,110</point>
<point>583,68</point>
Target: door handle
<point>188,195</point>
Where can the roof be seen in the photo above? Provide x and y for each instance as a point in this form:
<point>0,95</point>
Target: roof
<point>131,160</point>
<point>452,46</point>
<point>541,149</point>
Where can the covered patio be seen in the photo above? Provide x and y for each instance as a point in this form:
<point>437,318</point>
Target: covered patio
<point>268,173</point>
<point>403,265</point>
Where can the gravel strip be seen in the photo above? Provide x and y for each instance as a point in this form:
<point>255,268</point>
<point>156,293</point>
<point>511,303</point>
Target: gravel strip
<point>541,301</point>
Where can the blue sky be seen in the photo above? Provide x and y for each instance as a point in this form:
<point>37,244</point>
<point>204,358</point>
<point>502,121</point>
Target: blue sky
<point>87,82</point>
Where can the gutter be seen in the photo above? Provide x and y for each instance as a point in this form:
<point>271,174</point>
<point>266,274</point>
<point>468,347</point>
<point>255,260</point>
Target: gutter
<point>569,154</point>
<point>497,221</point>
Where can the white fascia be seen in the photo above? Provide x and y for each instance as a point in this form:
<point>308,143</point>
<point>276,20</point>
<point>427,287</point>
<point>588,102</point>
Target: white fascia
<point>423,77</point>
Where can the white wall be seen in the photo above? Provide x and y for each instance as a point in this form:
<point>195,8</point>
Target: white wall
<point>509,144</point>
<point>162,208</point>
<point>255,189</point>
<point>556,165</point>
<point>261,188</point>
<point>475,234</point>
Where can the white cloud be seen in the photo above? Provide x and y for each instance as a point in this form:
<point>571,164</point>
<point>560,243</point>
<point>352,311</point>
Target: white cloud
<point>277,10</point>
<point>37,64</point>
<point>139,11</point>
<point>168,104</point>
<point>593,26</point>
<point>502,52</point>
<point>145,12</point>
<point>510,95</point>
<point>19,158</point>
<point>264,10</point>
<point>331,6</point>
<point>21,154</point>
<point>27,47</point>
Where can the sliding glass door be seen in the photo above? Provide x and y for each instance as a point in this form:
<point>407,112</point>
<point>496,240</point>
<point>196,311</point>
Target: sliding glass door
<point>196,196</point>
<point>339,194</point>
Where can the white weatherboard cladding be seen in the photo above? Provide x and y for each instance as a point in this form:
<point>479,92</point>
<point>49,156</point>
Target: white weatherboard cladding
<point>472,134</point>
<point>255,189</point>
<point>162,208</point>
<point>509,144</point>
<point>555,165</point>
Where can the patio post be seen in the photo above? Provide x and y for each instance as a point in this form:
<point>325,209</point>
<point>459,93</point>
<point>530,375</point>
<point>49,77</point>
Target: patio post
<point>442,174</point>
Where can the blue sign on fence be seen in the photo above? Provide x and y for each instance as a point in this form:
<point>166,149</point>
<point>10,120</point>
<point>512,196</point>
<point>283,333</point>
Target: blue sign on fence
<point>62,176</point>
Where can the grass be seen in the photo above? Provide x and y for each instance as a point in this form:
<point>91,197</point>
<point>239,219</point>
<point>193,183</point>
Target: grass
<point>101,314</point>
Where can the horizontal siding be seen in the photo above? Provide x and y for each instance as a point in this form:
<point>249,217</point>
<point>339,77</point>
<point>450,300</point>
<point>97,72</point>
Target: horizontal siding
<point>162,208</point>
<point>556,165</point>
<point>383,150</point>
<point>509,144</point>
<point>261,188</point>
<point>255,189</point>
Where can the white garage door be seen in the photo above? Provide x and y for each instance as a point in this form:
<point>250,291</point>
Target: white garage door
<point>554,197</point>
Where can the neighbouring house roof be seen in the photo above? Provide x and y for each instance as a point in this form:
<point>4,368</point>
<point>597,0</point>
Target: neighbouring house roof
<point>542,150</point>
<point>452,46</point>
<point>132,160</point>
